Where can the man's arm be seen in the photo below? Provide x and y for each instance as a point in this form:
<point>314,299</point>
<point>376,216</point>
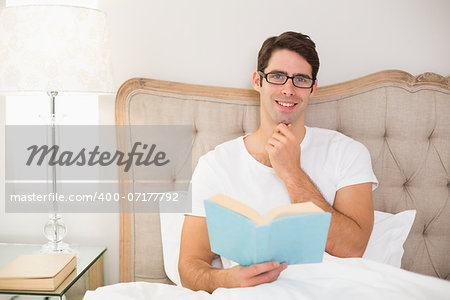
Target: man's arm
<point>352,212</point>
<point>195,260</point>
<point>351,215</point>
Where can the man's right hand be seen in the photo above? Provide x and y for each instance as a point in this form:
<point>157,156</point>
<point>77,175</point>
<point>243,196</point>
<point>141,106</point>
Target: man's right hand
<point>195,260</point>
<point>257,274</point>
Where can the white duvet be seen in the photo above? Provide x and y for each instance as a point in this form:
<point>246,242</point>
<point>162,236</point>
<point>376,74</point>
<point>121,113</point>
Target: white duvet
<point>335,278</point>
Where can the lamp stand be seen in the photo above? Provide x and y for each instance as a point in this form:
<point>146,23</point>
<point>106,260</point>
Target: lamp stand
<point>55,228</point>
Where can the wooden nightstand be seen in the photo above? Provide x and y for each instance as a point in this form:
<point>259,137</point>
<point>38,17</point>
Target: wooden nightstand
<point>89,274</point>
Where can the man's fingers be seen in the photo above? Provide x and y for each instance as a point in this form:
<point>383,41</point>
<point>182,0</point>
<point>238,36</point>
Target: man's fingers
<point>266,277</point>
<point>257,269</point>
<point>259,273</point>
<point>274,142</point>
<point>280,137</point>
<point>280,127</point>
<point>284,129</point>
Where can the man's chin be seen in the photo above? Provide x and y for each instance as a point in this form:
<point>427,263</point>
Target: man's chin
<point>286,118</point>
<point>286,121</point>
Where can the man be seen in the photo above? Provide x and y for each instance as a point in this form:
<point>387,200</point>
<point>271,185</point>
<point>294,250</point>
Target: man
<point>282,162</point>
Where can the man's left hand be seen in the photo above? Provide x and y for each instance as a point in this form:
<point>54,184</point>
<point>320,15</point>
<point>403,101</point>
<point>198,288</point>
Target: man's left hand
<point>284,152</point>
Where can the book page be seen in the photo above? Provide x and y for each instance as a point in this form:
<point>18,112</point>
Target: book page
<point>237,207</point>
<point>291,209</point>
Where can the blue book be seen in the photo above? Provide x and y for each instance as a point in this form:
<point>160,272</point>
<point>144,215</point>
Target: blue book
<point>295,233</point>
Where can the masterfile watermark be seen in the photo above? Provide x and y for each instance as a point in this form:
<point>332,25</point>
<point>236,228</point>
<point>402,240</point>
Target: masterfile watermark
<point>96,197</point>
<point>153,163</point>
<point>94,157</point>
<point>100,198</point>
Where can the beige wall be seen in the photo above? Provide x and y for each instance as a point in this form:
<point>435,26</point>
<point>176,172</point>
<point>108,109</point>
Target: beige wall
<point>216,43</point>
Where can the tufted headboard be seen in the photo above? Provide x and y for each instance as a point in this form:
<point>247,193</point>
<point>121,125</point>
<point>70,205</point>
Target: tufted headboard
<point>403,120</point>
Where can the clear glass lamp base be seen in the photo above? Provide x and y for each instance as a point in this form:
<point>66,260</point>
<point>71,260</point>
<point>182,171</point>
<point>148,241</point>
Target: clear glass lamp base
<point>55,230</point>
<point>60,247</point>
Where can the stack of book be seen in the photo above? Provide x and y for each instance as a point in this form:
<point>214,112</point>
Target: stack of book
<point>37,272</point>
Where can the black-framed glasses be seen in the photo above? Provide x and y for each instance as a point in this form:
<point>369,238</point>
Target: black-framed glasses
<point>299,81</point>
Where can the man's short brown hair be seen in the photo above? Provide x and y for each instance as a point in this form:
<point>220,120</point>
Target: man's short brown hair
<point>294,41</point>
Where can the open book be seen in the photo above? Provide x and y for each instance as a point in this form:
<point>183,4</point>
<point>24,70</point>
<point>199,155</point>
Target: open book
<point>295,233</point>
<point>37,272</point>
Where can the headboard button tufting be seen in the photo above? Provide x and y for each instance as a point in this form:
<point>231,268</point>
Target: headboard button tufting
<point>384,111</point>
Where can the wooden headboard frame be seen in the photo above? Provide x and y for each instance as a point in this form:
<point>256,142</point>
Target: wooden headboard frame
<point>132,85</point>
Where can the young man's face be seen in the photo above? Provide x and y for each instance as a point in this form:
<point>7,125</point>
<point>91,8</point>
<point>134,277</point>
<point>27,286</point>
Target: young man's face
<point>284,103</point>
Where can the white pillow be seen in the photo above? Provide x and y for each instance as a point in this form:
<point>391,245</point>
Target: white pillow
<point>171,225</point>
<point>388,236</point>
<point>385,244</point>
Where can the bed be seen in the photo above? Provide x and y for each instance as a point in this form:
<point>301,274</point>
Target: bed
<point>402,119</point>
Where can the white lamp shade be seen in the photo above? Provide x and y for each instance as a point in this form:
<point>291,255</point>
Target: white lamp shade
<point>54,48</point>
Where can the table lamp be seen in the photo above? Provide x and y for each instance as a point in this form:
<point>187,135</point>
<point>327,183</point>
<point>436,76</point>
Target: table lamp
<point>54,50</point>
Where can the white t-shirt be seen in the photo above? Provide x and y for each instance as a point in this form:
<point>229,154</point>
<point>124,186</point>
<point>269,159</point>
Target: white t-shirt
<point>331,159</point>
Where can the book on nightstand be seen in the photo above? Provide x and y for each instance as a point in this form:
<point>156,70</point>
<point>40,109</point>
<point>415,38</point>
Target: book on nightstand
<point>294,233</point>
<point>37,272</point>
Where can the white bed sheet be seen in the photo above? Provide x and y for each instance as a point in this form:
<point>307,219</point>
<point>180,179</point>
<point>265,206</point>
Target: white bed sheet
<point>335,278</point>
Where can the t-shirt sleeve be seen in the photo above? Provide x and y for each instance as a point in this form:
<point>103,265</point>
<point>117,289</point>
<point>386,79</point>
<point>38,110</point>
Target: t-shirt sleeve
<point>203,185</point>
<point>355,167</point>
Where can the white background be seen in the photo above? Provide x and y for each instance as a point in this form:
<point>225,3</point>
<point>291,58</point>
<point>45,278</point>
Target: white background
<point>216,43</point>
